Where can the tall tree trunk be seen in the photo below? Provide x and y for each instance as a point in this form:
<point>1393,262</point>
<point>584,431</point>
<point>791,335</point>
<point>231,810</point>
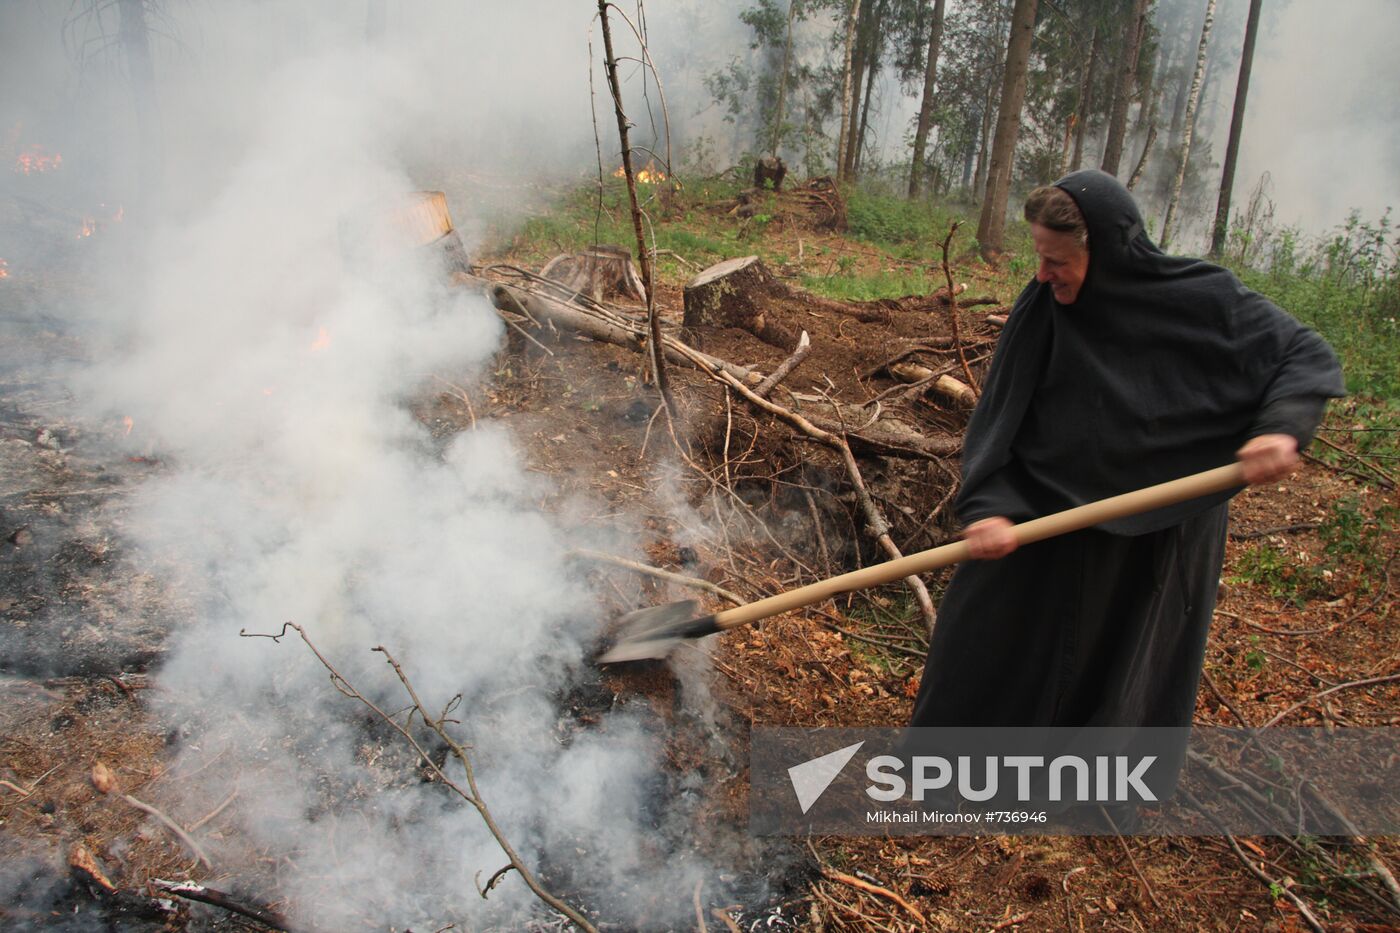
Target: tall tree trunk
<point>858,69</point>
<point>984,147</point>
<point>1147,124</point>
<point>921,129</point>
<point>1013,93</point>
<point>867,49</point>
<point>1192,100</point>
<point>1146,149</point>
<point>654,345</point>
<point>842,136</point>
<point>1127,76</point>
<point>1086,99</point>
<point>136,51</point>
<point>783,79</point>
<point>859,150</point>
<point>1232,148</point>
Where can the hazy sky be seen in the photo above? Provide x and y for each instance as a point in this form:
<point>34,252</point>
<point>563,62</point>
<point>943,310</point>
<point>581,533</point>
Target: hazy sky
<point>1322,117</point>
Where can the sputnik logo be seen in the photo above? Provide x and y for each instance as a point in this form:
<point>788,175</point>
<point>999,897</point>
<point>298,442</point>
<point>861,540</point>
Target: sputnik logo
<point>811,778</point>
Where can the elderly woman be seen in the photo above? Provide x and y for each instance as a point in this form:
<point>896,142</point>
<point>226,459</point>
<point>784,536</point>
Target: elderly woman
<point>1120,367</point>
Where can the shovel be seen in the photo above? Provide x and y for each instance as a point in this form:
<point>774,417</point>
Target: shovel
<point>655,632</point>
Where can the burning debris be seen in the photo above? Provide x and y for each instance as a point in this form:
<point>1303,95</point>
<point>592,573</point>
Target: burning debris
<point>4,269</point>
<point>651,175</point>
<point>36,161</point>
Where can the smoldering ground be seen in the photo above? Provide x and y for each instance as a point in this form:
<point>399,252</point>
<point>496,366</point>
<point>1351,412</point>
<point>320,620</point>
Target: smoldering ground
<point>269,377</point>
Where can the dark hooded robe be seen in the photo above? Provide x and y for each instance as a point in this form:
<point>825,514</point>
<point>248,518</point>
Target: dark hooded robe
<point>1163,366</point>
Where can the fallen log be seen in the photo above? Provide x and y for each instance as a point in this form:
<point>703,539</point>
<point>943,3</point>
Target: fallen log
<point>617,330</point>
<point>944,385</point>
<point>883,436</point>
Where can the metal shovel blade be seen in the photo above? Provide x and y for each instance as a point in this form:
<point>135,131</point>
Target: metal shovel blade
<point>653,633</point>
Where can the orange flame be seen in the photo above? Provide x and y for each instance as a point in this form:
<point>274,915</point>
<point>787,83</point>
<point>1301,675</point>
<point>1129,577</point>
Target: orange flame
<point>323,340</point>
<point>35,160</point>
<point>89,227</point>
<point>651,175</point>
<point>4,269</point>
<point>128,423</point>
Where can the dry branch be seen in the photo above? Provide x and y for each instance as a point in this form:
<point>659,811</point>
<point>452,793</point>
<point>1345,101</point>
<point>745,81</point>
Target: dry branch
<point>471,793</point>
<point>616,330</point>
<point>943,385</point>
<point>654,347</point>
<point>886,893</point>
<point>198,892</point>
<point>953,311</point>
<point>885,437</point>
<point>1274,886</point>
<point>174,828</point>
<point>878,527</point>
<point>785,369</point>
<point>660,574</point>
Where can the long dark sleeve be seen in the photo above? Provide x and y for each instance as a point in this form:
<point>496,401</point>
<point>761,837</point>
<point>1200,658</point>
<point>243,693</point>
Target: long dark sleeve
<point>1297,416</point>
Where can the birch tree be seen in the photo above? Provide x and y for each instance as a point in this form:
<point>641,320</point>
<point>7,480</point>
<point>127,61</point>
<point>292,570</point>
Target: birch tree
<point>783,79</point>
<point>1193,99</point>
<point>843,132</point>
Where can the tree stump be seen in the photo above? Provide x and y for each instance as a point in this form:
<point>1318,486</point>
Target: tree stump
<point>738,293</point>
<point>378,236</point>
<point>769,168</point>
<point>597,272</point>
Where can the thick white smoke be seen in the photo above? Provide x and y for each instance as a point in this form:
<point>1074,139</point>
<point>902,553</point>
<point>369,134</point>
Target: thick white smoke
<point>271,376</point>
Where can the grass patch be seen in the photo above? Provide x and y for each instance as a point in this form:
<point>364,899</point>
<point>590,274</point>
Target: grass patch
<point>1354,557</point>
<point>890,617</point>
<point>871,286</point>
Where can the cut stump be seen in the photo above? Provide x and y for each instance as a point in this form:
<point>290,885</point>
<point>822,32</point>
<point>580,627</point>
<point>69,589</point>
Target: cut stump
<point>597,272</point>
<point>738,293</point>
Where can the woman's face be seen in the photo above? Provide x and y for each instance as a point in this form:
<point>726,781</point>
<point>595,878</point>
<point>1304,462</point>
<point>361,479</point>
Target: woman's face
<point>1063,262</point>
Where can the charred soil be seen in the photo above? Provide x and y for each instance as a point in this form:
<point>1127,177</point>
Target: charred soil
<point>727,496</point>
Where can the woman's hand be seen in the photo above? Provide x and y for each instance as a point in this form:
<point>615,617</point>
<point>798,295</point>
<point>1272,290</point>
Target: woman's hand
<point>990,538</point>
<point>1268,457</point>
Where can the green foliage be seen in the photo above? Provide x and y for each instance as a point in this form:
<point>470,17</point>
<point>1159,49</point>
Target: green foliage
<point>849,286</point>
<point>889,616</point>
<point>1354,555</point>
<point>1356,545</point>
<point>1280,574</point>
<point>1255,659</point>
<point>886,219</point>
<point>1346,286</point>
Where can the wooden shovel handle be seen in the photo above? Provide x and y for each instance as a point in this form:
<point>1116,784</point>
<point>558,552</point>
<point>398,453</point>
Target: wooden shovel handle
<point>1084,516</point>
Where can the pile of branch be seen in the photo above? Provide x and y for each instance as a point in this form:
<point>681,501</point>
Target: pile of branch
<point>816,203</point>
<point>843,428</point>
<point>528,306</point>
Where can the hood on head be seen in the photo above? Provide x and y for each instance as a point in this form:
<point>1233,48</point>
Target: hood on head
<point>1112,215</point>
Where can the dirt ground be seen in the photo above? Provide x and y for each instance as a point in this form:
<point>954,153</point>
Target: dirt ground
<point>762,511</point>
